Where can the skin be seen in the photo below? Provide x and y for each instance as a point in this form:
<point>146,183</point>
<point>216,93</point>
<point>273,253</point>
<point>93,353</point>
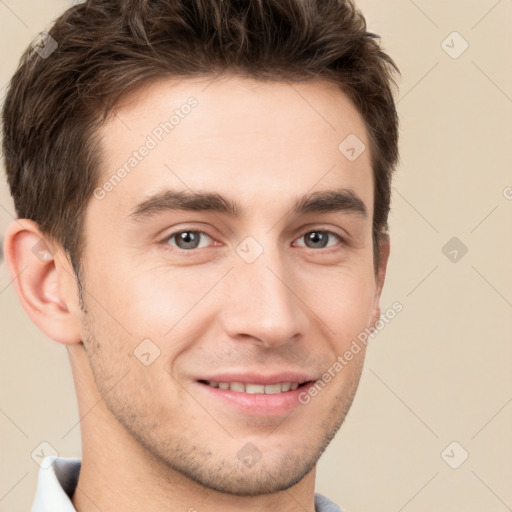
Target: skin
<point>152,438</point>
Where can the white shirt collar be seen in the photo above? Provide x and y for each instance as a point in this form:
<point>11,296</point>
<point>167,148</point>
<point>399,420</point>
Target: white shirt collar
<point>57,481</point>
<point>58,477</point>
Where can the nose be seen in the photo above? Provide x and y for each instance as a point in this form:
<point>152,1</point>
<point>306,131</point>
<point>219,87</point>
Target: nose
<point>261,304</point>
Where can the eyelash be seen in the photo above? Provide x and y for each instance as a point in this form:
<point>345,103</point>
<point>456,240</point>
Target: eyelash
<point>325,250</point>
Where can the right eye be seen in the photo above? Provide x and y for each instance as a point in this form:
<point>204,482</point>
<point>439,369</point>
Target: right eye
<point>186,239</point>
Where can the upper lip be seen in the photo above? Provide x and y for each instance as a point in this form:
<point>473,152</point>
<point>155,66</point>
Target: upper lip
<point>258,378</point>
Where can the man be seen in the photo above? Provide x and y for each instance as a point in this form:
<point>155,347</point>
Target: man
<point>202,189</point>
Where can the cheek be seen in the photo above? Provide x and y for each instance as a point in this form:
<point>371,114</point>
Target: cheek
<point>344,300</point>
<point>169,307</point>
<point>145,301</point>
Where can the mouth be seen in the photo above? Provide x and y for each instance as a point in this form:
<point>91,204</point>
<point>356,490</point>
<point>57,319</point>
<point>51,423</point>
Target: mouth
<point>253,394</point>
<point>253,388</point>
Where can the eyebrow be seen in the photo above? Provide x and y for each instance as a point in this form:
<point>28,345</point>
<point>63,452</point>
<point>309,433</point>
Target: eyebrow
<point>340,200</point>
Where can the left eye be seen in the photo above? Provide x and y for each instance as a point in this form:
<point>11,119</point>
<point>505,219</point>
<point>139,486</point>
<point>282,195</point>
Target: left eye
<point>187,239</point>
<point>318,239</point>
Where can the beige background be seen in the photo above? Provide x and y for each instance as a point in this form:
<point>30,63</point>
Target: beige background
<point>440,371</point>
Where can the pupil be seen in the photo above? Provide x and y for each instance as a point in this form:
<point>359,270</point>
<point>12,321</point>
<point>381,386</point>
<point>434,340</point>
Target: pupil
<point>188,239</point>
<point>318,239</point>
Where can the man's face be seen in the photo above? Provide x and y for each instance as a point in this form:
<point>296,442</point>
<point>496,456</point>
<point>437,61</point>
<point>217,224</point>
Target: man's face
<point>184,295</point>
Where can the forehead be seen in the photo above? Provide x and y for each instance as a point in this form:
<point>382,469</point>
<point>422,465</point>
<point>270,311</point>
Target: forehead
<point>261,142</point>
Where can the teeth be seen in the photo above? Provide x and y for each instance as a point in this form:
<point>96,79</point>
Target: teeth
<point>237,386</point>
<point>254,388</point>
<point>267,389</point>
<point>272,389</point>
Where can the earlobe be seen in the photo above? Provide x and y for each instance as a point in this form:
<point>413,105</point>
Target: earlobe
<point>38,275</point>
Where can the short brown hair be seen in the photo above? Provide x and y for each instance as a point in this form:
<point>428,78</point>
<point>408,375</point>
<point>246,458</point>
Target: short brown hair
<point>107,48</point>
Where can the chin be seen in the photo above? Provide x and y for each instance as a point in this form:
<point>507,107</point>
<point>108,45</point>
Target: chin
<point>239,480</point>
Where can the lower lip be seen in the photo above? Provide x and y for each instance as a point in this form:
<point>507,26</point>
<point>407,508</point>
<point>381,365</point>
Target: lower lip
<point>257,404</point>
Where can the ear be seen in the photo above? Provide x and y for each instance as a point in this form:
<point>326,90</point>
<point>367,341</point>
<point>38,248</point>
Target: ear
<point>44,281</point>
<point>380,276</point>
